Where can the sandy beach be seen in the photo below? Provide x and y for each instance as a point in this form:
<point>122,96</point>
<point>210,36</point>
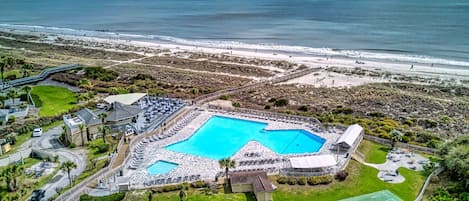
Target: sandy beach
<point>457,74</point>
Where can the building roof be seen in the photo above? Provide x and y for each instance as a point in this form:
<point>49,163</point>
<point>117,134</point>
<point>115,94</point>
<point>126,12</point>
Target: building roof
<point>88,116</point>
<point>350,135</point>
<point>126,99</point>
<point>258,180</point>
<point>318,161</point>
<point>10,102</point>
<point>120,111</point>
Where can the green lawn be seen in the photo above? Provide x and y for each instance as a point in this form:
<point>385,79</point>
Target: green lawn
<point>362,180</point>
<point>55,100</point>
<point>374,152</point>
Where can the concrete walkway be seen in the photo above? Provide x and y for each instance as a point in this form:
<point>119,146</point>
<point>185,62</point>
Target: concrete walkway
<point>388,171</point>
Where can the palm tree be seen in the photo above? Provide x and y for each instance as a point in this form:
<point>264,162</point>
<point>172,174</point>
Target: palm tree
<point>82,126</point>
<point>226,164</point>
<point>11,174</point>
<point>104,130</point>
<point>12,94</point>
<point>103,116</point>
<point>396,136</point>
<point>182,194</point>
<point>25,69</point>
<point>6,62</point>
<point>68,166</point>
<point>27,89</point>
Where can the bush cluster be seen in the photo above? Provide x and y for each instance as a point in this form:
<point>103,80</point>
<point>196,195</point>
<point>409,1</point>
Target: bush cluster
<point>314,180</point>
<point>99,73</point>
<point>341,175</point>
<point>113,197</point>
<point>199,184</point>
<point>169,188</point>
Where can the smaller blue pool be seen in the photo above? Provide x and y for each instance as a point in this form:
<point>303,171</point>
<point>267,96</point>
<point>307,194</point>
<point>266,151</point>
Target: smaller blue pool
<point>161,167</point>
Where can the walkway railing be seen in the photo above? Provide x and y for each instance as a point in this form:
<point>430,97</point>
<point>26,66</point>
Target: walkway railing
<point>43,75</point>
<point>215,95</point>
<point>401,144</point>
<point>427,182</point>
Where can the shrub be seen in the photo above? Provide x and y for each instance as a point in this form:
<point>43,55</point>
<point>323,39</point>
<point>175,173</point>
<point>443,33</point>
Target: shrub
<point>72,145</point>
<point>236,104</point>
<point>99,73</point>
<point>282,180</point>
<point>113,197</point>
<point>291,181</point>
<point>303,108</point>
<point>143,77</point>
<point>272,100</point>
<point>341,175</point>
<point>11,119</point>
<point>281,102</point>
<point>224,97</point>
<point>301,181</point>
<point>315,180</point>
<point>199,184</point>
<point>376,114</point>
<point>102,148</point>
<point>267,107</point>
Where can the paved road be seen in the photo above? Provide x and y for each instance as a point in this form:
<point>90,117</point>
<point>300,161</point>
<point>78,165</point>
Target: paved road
<point>49,144</point>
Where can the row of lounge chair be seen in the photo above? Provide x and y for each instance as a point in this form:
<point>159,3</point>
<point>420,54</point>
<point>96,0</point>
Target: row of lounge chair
<point>252,154</point>
<point>259,162</point>
<point>172,180</point>
<point>173,130</point>
<point>138,155</point>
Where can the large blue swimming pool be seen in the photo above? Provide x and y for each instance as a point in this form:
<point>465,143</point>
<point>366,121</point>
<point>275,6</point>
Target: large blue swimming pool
<point>221,137</point>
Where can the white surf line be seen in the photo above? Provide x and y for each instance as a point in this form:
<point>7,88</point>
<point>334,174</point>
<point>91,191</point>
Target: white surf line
<point>207,72</point>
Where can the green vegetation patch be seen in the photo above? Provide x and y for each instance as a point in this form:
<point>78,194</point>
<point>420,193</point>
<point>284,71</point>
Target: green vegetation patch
<point>54,100</point>
<point>374,152</point>
<point>113,197</point>
<point>362,180</point>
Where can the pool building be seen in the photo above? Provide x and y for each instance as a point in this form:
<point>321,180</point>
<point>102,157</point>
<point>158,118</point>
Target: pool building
<point>189,148</point>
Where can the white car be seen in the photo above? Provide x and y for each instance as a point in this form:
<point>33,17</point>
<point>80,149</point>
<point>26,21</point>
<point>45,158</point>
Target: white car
<point>37,132</point>
<point>101,106</point>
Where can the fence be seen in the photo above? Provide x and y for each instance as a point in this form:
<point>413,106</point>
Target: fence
<point>401,144</point>
<point>215,95</point>
<point>427,181</point>
<point>43,75</point>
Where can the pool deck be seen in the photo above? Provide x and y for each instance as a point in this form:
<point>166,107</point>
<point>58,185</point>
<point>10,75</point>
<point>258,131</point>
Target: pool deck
<point>207,169</point>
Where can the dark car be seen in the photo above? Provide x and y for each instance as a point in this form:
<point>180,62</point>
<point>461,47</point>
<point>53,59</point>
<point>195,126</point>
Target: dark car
<point>37,195</point>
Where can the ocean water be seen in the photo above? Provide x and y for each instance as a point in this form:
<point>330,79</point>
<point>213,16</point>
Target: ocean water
<point>221,137</point>
<point>414,30</point>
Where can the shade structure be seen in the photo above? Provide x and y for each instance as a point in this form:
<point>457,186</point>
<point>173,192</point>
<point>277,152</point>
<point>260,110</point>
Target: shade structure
<point>311,162</point>
<point>350,135</point>
<point>126,99</point>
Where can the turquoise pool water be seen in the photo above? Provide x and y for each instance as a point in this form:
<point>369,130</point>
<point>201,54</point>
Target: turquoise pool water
<point>161,167</point>
<point>221,137</point>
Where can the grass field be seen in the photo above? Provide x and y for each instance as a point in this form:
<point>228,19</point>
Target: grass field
<point>362,180</point>
<point>55,100</point>
<point>374,153</point>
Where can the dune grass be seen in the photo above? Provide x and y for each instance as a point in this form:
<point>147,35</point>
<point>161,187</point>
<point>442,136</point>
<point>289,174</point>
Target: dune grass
<point>55,100</point>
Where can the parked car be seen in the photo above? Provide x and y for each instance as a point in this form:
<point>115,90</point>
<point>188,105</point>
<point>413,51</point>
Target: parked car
<point>101,106</point>
<point>38,195</point>
<point>37,132</point>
